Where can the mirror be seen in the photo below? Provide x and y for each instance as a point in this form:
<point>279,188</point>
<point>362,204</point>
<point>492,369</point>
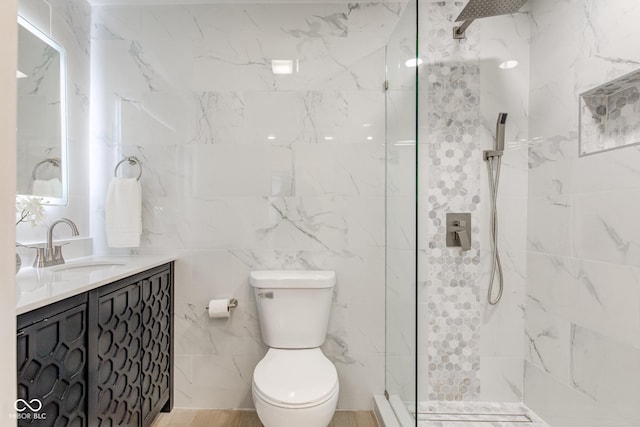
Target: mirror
<point>41,122</point>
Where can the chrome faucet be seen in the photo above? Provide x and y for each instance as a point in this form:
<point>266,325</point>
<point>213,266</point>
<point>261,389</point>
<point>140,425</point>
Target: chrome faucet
<point>52,255</point>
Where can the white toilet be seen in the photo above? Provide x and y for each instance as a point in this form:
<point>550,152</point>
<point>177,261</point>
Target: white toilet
<point>294,384</point>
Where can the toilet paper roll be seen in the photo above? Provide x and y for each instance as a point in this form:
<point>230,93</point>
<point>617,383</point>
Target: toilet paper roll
<point>219,308</point>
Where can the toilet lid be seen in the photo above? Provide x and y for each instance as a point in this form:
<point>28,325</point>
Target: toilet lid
<point>295,377</point>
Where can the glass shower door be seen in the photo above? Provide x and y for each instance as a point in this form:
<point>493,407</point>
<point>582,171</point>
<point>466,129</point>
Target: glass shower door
<point>401,154</point>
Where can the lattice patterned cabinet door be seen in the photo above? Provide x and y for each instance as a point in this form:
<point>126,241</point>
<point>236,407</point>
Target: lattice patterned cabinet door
<point>52,369</point>
<point>156,344</point>
<point>119,356</point>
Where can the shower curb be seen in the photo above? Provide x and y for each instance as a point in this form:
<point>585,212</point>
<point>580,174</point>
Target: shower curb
<point>384,413</point>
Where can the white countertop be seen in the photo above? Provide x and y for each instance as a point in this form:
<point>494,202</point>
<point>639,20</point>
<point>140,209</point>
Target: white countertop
<point>36,288</point>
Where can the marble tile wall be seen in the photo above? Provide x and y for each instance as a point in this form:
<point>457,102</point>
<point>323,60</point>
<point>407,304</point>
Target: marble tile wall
<point>68,22</point>
<point>244,170</point>
<point>469,350</point>
<point>582,322</point>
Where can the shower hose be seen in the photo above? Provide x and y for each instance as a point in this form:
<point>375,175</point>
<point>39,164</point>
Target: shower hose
<point>496,266</point>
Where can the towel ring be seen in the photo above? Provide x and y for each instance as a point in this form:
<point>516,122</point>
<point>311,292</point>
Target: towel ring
<point>133,160</point>
<point>55,161</point>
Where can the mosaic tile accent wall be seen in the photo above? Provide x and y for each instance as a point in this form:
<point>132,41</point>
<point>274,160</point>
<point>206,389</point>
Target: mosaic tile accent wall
<point>451,114</point>
<point>470,350</point>
<point>452,292</point>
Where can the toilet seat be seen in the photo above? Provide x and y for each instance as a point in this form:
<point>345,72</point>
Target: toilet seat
<point>297,378</point>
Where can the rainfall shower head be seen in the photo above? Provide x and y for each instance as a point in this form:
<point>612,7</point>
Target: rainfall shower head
<point>483,9</point>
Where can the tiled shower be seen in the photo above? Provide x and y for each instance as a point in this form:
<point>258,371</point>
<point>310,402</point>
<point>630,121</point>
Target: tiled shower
<point>351,163</point>
<point>564,338</point>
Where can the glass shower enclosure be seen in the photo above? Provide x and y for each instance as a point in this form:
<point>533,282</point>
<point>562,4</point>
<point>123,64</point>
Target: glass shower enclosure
<point>401,228</point>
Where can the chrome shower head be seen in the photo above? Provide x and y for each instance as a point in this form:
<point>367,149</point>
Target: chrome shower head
<point>483,9</point>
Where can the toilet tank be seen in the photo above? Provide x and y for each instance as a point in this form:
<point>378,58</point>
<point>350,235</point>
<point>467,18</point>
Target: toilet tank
<point>293,306</point>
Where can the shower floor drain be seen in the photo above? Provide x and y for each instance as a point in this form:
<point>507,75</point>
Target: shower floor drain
<point>475,418</point>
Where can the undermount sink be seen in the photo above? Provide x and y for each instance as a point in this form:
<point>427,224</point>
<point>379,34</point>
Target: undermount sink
<point>88,266</point>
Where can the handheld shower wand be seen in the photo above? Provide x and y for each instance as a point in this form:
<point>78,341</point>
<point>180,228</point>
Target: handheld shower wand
<point>499,145</point>
<point>502,120</point>
<point>494,157</point>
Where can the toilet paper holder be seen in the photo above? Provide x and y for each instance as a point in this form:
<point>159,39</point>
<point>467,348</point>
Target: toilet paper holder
<point>233,303</point>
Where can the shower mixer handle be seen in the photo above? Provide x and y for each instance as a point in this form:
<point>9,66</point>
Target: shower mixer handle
<point>460,232</point>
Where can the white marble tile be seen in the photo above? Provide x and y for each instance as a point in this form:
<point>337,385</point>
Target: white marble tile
<point>206,275</point>
<point>501,379</point>
<point>401,213</point>
<point>601,296</point>
<point>607,372</point>
<point>219,117</point>
<point>559,404</point>
<point>151,119</point>
<point>336,224</point>
<point>37,12</point>
<point>585,201</point>
<point>183,378</point>
<point>189,89</point>
<point>603,226</point>
<point>360,380</point>
<point>612,170</point>
<point>503,323</point>
<point>226,170</point>
<point>222,381</point>
<point>341,169</point>
<point>547,340</point>
<point>613,46</point>
<point>352,332</point>
<point>547,229</point>
<point>503,90</point>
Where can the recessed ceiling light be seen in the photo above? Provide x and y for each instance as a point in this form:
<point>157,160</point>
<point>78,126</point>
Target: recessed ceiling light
<point>369,138</point>
<point>328,138</point>
<point>366,125</point>
<point>271,137</point>
<point>506,65</point>
<point>282,66</point>
<point>413,62</point>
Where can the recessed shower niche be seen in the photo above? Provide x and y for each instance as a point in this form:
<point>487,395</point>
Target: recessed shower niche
<point>610,115</point>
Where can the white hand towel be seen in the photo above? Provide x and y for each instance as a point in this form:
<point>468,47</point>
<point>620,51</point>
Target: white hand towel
<point>123,210</point>
<point>47,188</point>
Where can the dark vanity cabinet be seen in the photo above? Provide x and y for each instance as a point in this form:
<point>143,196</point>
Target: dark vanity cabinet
<point>102,358</point>
<point>130,336</point>
<point>157,349</point>
<point>52,365</point>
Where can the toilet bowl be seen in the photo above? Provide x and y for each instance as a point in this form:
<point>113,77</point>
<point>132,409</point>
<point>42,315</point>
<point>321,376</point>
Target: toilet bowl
<point>295,388</point>
<point>294,385</point>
